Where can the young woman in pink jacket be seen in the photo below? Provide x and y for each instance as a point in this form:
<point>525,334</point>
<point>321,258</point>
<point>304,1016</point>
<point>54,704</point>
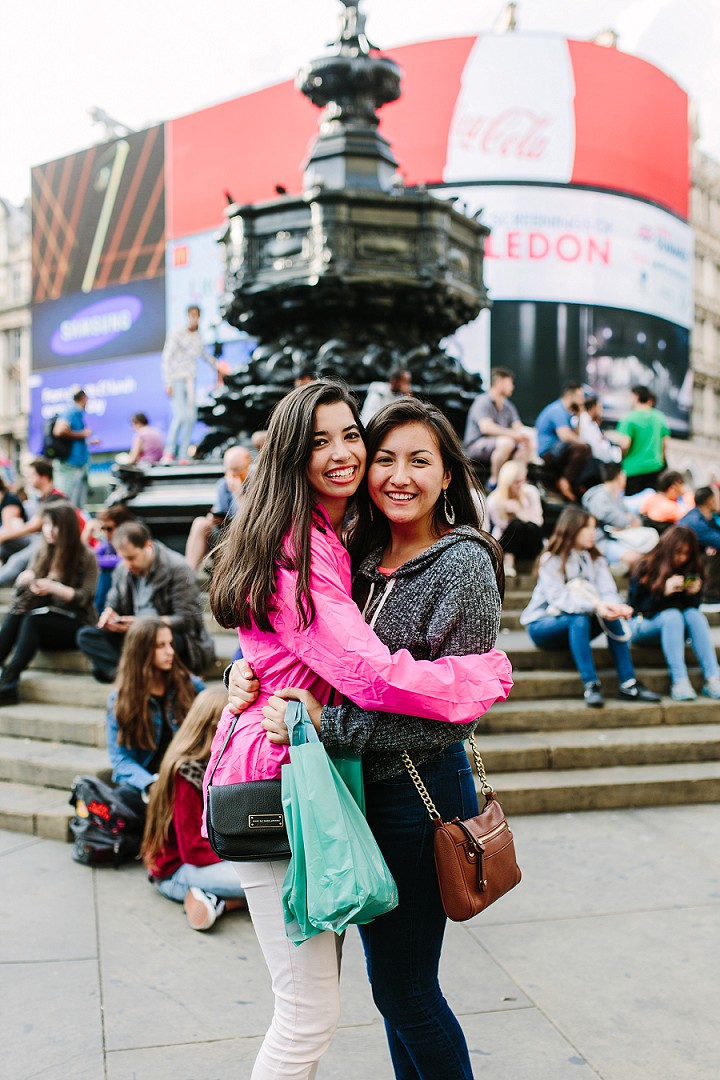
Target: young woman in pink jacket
<point>283,577</point>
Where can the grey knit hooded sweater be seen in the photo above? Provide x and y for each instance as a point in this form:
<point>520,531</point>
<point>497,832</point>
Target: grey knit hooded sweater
<point>444,602</point>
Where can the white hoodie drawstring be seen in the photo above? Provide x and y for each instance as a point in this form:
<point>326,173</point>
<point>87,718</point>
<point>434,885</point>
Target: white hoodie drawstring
<point>388,589</point>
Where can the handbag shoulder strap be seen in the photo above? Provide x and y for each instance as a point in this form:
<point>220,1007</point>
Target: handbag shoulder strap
<point>423,792</point>
<point>228,737</point>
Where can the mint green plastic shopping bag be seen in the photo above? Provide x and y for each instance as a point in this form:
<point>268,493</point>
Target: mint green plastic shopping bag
<point>337,874</point>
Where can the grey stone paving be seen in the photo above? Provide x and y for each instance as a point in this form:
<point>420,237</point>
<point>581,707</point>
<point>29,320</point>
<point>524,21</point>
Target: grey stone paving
<point>603,963</point>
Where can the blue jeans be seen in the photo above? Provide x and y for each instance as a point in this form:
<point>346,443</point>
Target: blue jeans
<point>182,420</point>
<point>576,632</point>
<point>402,948</point>
<point>220,879</point>
<point>72,480</point>
<point>670,629</point>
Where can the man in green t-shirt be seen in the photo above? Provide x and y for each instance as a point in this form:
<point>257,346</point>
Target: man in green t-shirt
<point>644,434</point>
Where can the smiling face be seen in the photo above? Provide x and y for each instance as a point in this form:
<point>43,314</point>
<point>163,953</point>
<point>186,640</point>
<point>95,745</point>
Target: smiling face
<point>164,656</point>
<point>407,476</point>
<point>337,461</point>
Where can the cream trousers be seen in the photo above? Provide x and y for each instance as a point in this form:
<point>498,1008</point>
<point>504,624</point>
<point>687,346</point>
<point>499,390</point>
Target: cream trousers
<point>305,981</point>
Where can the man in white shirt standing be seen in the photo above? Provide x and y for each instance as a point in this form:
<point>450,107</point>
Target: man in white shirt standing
<point>183,349</point>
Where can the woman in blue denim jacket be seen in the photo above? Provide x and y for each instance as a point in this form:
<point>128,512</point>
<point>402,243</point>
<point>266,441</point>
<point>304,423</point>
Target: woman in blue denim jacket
<point>154,692</point>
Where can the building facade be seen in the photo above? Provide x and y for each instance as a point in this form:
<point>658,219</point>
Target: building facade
<point>15,259</point>
<point>705,357</point>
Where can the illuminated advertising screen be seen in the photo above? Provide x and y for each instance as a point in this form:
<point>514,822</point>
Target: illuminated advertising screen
<point>511,107</point>
<point>583,247</point>
<point>79,328</point>
<point>98,217</point>
<point>586,286</point>
<point>116,389</point>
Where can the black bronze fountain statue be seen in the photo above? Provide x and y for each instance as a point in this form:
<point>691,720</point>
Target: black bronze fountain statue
<point>357,275</point>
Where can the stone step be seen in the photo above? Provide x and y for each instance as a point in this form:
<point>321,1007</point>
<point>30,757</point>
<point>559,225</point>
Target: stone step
<point>595,748</point>
<point>526,656</point>
<point>563,714</point>
<point>73,662</point>
<point>50,688</point>
<point>62,723</point>
<point>536,685</point>
<point>49,764</point>
<point>37,811</point>
<point>617,787</point>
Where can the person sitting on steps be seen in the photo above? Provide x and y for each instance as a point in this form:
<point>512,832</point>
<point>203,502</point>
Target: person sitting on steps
<point>575,600</point>
<point>665,593</point>
<point>53,597</point>
<point>181,864</point>
<point>559,445</point>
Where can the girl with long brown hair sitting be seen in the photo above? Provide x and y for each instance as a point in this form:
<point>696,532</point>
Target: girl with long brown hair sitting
<point>153,695</point>
<point>575,600</point>
<point>53,597</point>
<point>181,863</point>
<point>665,593</point>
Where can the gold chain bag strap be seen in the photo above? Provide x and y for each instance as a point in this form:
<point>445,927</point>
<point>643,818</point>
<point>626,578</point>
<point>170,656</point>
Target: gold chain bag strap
<point>474,859</point>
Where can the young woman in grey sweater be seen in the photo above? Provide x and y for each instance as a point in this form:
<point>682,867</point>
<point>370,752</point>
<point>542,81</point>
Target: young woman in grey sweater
<point>431,584</point>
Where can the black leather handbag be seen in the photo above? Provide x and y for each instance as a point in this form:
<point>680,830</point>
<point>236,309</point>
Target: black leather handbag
<point>246,821</point>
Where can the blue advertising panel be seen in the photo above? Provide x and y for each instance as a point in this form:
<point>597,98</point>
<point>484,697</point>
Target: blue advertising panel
<point>79,328</point>
<point>115,390</point>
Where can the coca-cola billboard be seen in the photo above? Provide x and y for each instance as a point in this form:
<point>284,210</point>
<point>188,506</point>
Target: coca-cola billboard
<point>511,107</point>
<point>517,134</point>
<point>514,116</point>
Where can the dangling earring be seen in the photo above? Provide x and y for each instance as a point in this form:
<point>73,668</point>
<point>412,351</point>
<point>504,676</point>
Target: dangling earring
<point>448,509</point>
<point>372,516</point>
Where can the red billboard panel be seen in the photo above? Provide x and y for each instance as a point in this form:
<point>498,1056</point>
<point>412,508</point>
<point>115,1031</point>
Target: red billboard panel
<point>512,107</point>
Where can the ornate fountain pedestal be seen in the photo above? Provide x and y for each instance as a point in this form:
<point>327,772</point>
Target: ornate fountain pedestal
<point>357,276</point>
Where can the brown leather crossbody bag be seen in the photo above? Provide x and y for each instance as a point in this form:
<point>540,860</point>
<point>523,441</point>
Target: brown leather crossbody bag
<point>474,859</point>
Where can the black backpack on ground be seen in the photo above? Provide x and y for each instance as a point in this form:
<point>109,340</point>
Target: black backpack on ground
<point>55,447</point>
<point>108,823</point>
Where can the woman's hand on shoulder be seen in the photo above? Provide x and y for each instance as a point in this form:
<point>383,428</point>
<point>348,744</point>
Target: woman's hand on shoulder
<point>274,713</point>
<point>243,687</point>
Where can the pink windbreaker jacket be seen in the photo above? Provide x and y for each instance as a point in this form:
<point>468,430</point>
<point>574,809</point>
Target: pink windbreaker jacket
<point>340,650</point>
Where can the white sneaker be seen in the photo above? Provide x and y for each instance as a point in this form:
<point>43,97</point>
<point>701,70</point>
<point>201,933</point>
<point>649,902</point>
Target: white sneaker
<point>682,691</point>
<point>711,688</point>
<point>202,909</point>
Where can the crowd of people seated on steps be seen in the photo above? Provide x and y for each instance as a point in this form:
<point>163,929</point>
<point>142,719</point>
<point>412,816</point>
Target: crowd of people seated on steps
<point>622,501</point>
<point>576,599</point>
<point>107,587</point>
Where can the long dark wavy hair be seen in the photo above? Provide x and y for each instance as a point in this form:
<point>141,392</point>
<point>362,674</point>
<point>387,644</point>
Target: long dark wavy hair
<point>134,681</point>
<point>191,742</point>
<point>278,504</point>
<point>568,525</point>
<point>63,558</point>
<point>658,565</point>
<point>371,528</point>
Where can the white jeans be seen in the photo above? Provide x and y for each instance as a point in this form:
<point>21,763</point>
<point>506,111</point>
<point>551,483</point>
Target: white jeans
<point>305,981</point>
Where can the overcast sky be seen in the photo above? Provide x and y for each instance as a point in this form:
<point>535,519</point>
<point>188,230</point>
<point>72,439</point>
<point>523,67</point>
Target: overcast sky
<point>150,60</point>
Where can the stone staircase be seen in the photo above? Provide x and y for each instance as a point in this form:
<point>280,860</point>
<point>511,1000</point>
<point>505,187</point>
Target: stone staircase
<point>544,751</point>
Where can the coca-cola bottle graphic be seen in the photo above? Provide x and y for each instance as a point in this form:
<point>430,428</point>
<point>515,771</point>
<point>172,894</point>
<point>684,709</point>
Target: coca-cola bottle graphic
<point>514,116</point>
